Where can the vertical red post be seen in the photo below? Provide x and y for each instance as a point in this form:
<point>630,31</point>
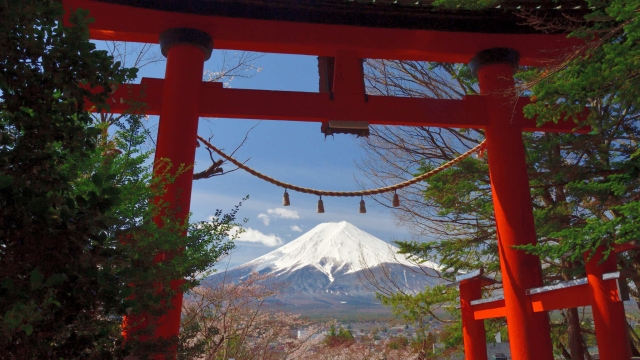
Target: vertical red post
<point>186,50</point>
<point>608,315</point>
<point>473,331</point>
<point>348,78</point>
<point>529,332</point>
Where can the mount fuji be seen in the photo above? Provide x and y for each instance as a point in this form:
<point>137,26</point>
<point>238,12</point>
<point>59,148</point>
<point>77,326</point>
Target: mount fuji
<point>329,266</point>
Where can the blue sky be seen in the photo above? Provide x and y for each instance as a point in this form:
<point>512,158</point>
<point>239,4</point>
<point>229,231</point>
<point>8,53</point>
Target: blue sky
<point>294,152</point>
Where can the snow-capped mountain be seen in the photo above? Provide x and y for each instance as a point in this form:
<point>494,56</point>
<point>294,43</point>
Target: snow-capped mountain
<point>330,263</point>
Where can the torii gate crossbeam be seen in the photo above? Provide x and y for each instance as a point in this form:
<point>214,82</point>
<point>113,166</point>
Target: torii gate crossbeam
<point>469,112</point>
<point>133,24</point>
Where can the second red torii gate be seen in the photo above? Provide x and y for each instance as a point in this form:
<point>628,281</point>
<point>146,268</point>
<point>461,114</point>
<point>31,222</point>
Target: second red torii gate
<point>604,289</point>
<point>181,98</point>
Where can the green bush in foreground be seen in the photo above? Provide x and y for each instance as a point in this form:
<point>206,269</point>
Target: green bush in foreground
<point>76,236</point>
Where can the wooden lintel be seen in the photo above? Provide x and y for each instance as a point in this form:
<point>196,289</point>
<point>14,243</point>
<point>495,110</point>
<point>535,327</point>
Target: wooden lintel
<point>489,310</point>
<point>124,23</point>
<point>215,101</point>
<point>575,293</point>
<point>562,298</point>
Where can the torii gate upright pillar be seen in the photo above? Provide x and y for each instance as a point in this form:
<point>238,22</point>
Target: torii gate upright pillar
<point>608,316</point>
<point>473,331</point>
<point>186,51</point>
<point>529,332</point>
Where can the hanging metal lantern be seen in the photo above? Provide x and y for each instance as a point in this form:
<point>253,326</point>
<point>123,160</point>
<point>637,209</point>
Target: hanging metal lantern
<point>396,200</point>
<point>320,206</point>
<point>363,208</point>
<point>285,198</point>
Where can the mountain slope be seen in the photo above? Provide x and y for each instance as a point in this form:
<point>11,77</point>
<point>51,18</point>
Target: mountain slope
<point>331,247</point>
<point>328,264</point>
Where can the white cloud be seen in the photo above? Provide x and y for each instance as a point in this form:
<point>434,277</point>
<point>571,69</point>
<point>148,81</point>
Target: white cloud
<point>278,213</point>
<point>296,228</point>
<point>265,218</point>
<point>256,236</point>
<point>283,213</point>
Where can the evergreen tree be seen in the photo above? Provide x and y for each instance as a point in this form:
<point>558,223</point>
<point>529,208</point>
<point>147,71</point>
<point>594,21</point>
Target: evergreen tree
<point>76,236</point>
<point>338,336</point>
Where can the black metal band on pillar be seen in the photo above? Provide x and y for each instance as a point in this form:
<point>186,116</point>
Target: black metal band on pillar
<point>494,56</point>
<point>180,36</point>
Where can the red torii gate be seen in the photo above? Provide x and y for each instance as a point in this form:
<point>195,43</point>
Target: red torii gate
<point>604,289</point>
<point>187,40</point>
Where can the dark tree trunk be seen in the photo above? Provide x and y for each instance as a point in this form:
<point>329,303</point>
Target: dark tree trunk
<point>575,338</point>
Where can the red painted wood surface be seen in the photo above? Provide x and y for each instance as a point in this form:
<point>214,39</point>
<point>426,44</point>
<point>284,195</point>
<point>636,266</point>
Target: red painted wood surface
<point>178,126</point>
<point>473,331</point>
<point>122,23</point>
<point>571,297</point>
<point>469,112</point>
<point>489,310</point>
<point>563,298</point>
<point>528,331</point>
<point>608,314</point>
<point>348,79</point>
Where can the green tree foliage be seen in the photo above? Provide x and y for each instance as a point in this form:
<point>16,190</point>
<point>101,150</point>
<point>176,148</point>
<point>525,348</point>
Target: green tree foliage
<point>397,342</point>
<point>604,78</point>
<point>584,187</point>
<point>76,236</point>
<point>338,336</point>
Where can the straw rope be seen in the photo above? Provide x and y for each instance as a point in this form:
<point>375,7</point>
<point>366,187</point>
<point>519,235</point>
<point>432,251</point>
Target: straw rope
<point>343,193</point>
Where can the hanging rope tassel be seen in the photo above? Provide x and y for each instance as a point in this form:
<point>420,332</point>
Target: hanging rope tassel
<point>363,209</point>
<point>396,200</point>
<point>285,198</point>
<point>320,206</point>
<point>481,150</point>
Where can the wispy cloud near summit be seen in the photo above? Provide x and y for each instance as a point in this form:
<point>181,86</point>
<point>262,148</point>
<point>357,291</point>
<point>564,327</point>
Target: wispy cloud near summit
<point>257,236</point>
<point>278,213</point>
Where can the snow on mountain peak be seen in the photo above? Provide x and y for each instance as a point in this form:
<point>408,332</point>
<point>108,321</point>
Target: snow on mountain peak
<point>331,247</point>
